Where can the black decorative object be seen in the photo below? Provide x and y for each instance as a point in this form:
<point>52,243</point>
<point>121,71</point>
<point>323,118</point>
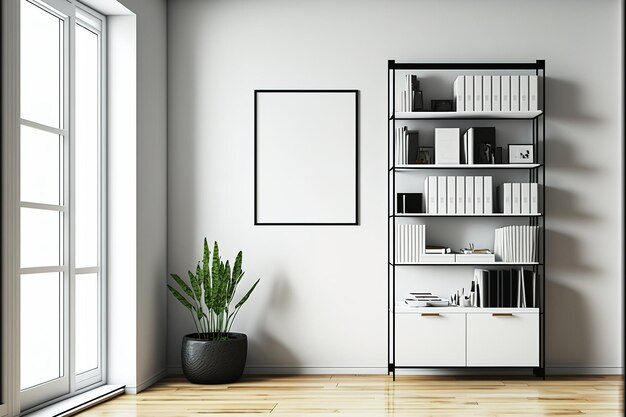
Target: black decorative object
<point>426,155</point>
<point>484,145</point>
<point>408,203</point>
<point>214,361</point>
<point>442,105</point>
<point>416,95</point>
<point>499,155</point>
<point>413,139</point>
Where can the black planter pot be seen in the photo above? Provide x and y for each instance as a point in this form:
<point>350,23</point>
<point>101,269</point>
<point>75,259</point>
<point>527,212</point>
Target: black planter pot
<point>214,361</point>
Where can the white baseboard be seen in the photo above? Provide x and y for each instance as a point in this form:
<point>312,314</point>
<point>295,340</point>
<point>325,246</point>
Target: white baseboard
<point>311,370</point>
<point>150,381</point>
<point>587,370</point>
<point>300,370</point>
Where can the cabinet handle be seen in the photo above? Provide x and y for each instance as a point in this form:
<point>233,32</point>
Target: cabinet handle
<point>430,314</point>
<point>502,314</point>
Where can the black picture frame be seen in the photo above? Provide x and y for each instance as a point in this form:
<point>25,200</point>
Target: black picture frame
<point>356,220</point>
<point>429,152</point>
<point>527,146</point>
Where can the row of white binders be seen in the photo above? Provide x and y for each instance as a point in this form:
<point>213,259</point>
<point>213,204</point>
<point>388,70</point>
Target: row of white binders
<point>458,194</point>
<point>517,244</point>
<point>518,198</point>
<point>496,93</point>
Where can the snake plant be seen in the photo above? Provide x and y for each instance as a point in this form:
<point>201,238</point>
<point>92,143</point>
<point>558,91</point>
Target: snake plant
<point>209,294</point>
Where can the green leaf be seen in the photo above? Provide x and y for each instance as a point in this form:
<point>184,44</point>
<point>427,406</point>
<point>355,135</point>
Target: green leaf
<point>237,273</point>
<point>195,284</point>
<point>205,258</point>
<point>183,285</point>
<point>215,270</point>
<point>180,298</point>
<point>245,297</point>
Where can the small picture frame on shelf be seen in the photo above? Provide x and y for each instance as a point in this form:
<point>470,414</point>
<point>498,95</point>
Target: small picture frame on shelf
<point>521,154</point>
<point>425,155</point>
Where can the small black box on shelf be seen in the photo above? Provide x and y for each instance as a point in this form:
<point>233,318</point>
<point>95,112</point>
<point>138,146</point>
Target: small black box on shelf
<point>408,203</point>
<point>442,105</point>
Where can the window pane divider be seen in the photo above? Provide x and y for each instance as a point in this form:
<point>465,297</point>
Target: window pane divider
<point>42,269</point>
<point>87,270</point>
<point>45,128</point>
<point>40,206</point>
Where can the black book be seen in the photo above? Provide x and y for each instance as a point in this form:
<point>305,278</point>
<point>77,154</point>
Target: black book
<point>409,202</point>
<point>493,288</point>
<point>417,102</point>
<point>506,289</point>
<point>484,302</point>
<point>413,139</point>
<point>514,287</point>
<point>529,288</point>
<point>484,151</point>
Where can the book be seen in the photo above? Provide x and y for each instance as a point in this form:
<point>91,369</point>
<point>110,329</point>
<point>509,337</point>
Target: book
<point>478,195</point>
<point>486,92</point>
<point>516,195</point>
<point>518,243</point>
<point>469,195</point>
<point>534,198</point>
<point>409,203</point>
<point>464,149</point>
<point>447,146</point>
<point>475,257</point>
<point>469,146</point>
<point>478,93</point>
<point>412,146</point>
<point>460,195</point>
<point>487,194</point>
<point>439,257</point>
<point>533,93</point>
<point>430,185</point>
<point>469,93</point>
<point>451,192</point>
<point>435,249</point>
<point>483,146</point>
<point>504,198</point>
<point>442,195</point>
<point>505,93</point>
<point>523,93</point>
<point>495,93</point>
<point>515,93</point>
<point>459,92</point>
<point>525,198</point>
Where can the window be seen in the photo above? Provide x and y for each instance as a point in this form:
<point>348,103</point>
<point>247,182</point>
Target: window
<point>62,199</point>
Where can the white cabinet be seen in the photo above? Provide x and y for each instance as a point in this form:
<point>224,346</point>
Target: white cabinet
<point>430,339</point>
<point>503,339</point>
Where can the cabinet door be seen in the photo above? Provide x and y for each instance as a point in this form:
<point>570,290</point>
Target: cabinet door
<point>430,339</point>
<point>503,339</point>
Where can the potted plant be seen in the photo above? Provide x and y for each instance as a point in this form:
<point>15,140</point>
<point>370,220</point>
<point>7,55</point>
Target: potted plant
<point>213,355</point>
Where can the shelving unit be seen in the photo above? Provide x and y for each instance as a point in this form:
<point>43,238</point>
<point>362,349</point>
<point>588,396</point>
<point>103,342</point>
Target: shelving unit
<point>463,337</point>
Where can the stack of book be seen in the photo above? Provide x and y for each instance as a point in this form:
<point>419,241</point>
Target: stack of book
<point>425,299</point>
<point>410,243</point>
<point>411,97</point>
<point>518,198</point>
<point>406,146</point>
<point>458,194</point>
<point>513,288</point>
<point>496,93</point>
<point>516,243</point>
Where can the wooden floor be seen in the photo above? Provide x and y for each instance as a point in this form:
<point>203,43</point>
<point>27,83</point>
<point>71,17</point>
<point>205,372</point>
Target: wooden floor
<point>351,396</point>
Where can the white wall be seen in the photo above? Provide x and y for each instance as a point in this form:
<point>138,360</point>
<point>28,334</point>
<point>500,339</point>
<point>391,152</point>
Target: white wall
<point>321,302</point>
<point>138,201</point>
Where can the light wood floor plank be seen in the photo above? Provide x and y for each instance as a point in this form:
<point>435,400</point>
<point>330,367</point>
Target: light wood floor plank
<point>375,395</point>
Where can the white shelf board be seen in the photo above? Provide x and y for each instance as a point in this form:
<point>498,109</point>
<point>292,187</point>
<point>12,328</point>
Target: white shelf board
<point>466,215</point>
<point>464,166</point>
<point>404,309</point>
<point>469,114</point>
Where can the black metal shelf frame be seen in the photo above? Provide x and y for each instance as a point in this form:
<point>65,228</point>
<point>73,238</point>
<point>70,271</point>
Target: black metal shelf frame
<point>535,174</point>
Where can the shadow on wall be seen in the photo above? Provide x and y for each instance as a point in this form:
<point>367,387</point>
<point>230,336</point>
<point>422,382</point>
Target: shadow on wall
<point>264,348</point>
<point>568,326</point>
<point>560,91</point>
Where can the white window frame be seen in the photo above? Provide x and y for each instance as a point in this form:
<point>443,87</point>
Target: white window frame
<point>11,402</point>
